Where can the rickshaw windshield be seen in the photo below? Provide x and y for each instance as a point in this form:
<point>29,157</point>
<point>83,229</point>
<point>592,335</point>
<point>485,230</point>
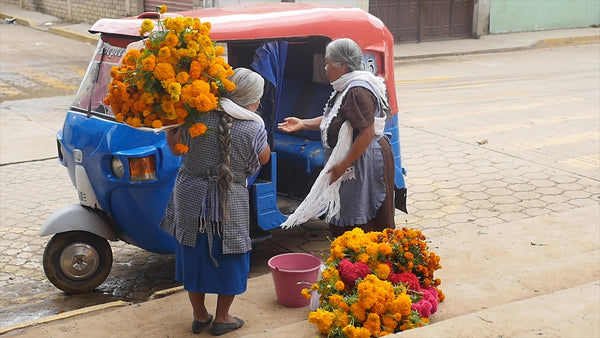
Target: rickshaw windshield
<point>94,86</point>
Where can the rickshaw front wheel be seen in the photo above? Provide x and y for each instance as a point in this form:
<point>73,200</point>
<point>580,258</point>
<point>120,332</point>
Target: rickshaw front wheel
<point>77,261</point>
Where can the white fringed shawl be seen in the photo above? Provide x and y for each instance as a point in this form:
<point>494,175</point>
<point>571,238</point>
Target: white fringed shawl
<point>323,197</point>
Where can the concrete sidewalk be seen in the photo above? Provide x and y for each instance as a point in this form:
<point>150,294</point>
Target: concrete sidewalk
<point>524,278</point>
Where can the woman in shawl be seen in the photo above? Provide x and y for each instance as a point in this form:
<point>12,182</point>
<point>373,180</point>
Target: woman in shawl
<point>356,187</point>
<point>208,211</point>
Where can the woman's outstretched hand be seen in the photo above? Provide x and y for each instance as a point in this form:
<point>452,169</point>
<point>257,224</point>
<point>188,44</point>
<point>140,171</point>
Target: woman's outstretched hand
<point>291,124</point>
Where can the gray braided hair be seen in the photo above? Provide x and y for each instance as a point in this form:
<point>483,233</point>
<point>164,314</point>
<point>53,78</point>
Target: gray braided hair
<point>225,176</point>
<point>248,89</point>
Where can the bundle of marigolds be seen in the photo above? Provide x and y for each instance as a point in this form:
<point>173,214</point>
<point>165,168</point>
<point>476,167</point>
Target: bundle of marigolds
<point>375,284</point>
<point>175,77</point>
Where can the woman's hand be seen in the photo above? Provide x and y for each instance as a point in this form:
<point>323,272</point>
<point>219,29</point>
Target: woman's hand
<point>291,124</point>
<point>336,171</point>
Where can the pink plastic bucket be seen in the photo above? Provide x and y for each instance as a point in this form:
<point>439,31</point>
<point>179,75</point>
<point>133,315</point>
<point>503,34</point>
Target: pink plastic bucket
<point>290,269</point>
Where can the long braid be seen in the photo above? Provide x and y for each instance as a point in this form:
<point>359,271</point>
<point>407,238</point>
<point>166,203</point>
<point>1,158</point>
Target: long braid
<point>225,176</point>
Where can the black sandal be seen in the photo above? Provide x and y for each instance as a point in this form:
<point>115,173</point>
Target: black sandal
<point>197,325</point>
<point>218,329</point>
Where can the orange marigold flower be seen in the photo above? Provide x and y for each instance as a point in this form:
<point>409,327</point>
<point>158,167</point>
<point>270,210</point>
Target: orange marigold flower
<point>384,248</point>
<point>181,112</point>
<point>164,53</point>
<point>195,69</point>
<point>373,324</point>
<point>229,86</point>
<point>162,9</point>
<point>130,59</point>
<point>197,129</point>
<point>339,285</point>
<point>171,40</point>
<point>182,148</point>
<point>182,77</point>
<point>164,71</point>
<point>306,293</point>
<point>157,124</point>
<point>149,63</point>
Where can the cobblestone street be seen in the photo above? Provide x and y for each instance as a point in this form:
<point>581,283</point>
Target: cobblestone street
<point>453,187</point>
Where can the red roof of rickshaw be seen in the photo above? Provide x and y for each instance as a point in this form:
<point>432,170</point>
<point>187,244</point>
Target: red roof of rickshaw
<point>282,20</point>
<point>256,21</point>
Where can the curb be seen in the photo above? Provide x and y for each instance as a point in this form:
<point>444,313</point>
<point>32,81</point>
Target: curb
<point>579,40</point>
<point>93,39</point>
<point>471,52</point>
<point>64,315</point>
<point>544,43</point>
<point>19,20</point>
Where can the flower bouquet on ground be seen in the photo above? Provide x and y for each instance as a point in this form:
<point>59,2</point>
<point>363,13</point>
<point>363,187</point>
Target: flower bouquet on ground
<point>174,76</point>
<point>375,284</point>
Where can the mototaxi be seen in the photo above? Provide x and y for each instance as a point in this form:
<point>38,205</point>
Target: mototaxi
<point>124,176</point>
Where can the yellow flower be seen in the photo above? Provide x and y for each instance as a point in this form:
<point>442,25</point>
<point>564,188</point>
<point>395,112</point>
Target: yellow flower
<point>162,9</point>
<point>174,88</point>
<point>306,293</point>
<point>323,319</point>
<point>147,26</point>
<point>339,285</point>
<point>356,332</point>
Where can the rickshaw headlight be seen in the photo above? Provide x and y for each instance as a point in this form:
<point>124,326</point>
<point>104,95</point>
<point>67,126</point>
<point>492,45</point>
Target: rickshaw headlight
<point>142,168</point>
<point>117,167</point>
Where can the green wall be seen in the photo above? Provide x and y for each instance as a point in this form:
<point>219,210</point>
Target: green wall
<point>529,15</point>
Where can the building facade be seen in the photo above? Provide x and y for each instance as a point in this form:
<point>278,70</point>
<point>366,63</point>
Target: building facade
<point>408,20</point>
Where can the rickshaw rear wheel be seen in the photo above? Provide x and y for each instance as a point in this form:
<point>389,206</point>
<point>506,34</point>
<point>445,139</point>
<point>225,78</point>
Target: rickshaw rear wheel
<point>77,261</point>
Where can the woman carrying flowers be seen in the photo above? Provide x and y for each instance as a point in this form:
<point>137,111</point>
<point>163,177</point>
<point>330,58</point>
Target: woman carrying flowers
<point>208,211</point>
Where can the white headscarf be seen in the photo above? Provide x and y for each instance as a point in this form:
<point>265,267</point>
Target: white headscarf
<point>249,88</point>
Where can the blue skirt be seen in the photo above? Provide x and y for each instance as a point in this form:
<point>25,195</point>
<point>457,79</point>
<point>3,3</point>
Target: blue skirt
<point>196,271</point>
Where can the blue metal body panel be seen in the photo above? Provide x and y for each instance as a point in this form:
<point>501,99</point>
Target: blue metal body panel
<point>136,208</point>
<point>263,200</point>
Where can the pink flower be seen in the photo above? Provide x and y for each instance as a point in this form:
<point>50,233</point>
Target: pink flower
<point>423,307</point>
<point>431,295</point>
<point>428,304</point>
<point>350,272</point>
<point>406,278</point>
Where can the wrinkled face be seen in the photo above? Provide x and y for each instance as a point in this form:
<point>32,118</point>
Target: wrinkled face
<point>334,70</point>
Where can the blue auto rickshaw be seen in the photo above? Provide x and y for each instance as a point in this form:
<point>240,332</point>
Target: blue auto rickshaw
<point>124,176</point>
